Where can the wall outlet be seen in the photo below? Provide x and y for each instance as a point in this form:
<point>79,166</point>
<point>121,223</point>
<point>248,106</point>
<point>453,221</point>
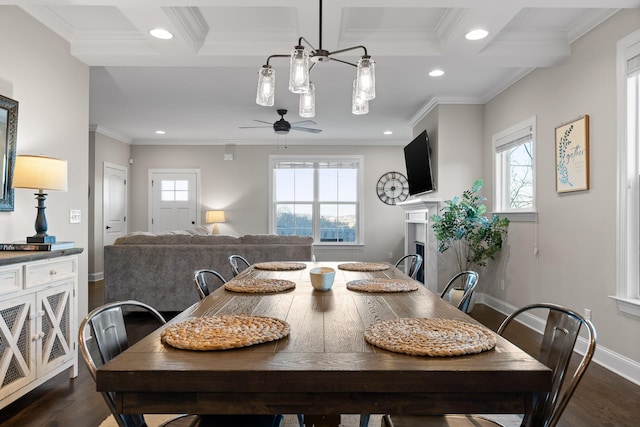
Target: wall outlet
<point>587,313</point>
<point>75,216</point>
<point>502,284</point>
<point>390,255</point>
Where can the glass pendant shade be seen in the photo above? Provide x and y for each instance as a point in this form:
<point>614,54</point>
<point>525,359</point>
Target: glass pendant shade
<point>308,102</point>
<point>366,78</point>
<point>266,86</point>
<point>358,105</point>
<point>299,70</point>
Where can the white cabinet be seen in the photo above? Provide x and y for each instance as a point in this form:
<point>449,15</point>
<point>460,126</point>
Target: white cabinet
<point>38,310</point>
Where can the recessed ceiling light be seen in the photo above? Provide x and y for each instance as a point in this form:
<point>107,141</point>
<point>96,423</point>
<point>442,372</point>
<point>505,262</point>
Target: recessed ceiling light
<point>388,132</point>
<point>161,33</point>
<point>436,73</point>
<point>160,132</point>
<point>477,34</point>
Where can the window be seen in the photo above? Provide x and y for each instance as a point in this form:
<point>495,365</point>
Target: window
<point>174,190</point>
<point>318,197</point>
<point>628,230</point>
<point>514,174</point>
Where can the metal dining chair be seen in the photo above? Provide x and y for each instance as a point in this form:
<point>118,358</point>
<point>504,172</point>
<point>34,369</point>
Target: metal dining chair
<point>470,279</point>
<point>415,262</point>
<point>233,262</point>
<point>200,280</point>
<point>103,336</point>
<point>556,348</point>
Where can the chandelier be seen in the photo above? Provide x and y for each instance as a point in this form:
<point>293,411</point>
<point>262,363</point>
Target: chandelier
<point>302,60</point>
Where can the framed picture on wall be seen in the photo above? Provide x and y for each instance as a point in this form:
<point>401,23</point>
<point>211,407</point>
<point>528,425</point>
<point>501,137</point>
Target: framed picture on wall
<point>572,156</point>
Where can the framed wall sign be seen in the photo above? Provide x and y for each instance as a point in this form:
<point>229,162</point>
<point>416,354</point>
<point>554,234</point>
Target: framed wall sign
<point>572,156</point>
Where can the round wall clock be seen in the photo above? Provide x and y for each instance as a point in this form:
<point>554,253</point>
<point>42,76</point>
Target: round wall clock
<point>392,188</point>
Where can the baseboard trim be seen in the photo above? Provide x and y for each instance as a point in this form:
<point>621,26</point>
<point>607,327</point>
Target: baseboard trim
<point>614,362</point>
<point>95,277</point>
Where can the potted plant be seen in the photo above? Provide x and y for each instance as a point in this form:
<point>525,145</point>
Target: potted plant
<point>463,227</point>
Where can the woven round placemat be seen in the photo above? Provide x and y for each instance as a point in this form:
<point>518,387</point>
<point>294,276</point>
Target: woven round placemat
<point>430,337</point>
<point>256,286</point>
<point>363,266</point>
<point>224,332</point>
<point>280,266</point>
<point>382,285</point>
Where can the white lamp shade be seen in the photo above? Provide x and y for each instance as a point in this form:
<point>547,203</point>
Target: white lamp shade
<point>213,217</point>
<point>366,78</point>
<point>299,70</point>
<point>266,86</point>
<point>40,173</point>
<point>308,102</point>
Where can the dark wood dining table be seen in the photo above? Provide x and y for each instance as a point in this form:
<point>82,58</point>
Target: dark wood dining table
<point>324,366</point>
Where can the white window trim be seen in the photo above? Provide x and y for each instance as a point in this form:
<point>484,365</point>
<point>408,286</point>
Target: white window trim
<point>627,260</point>
<point>274,158</point>
<point>498,140</point>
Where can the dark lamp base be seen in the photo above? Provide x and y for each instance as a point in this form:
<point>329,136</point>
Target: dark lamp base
<point>41,239</point>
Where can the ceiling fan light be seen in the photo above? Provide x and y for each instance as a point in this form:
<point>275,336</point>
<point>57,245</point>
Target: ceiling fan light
<point>266,86</point>
<point>366,78</point>
<point>299,70</point>
<point>308,102</point>
<point>359,106</point>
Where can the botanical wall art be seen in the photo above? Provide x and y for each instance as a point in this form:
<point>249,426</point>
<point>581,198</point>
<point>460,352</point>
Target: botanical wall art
<point>572,156</point>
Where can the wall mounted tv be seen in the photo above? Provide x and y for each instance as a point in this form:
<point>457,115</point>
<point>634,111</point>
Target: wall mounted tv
<point>417,157</point>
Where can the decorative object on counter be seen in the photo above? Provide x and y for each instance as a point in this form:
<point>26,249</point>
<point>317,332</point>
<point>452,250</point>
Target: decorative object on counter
<point>280,266</point>
<point>430,337</point>
<point>36,246</point>
<point>215,217</point>
<point>257,286</point>
<point>382,285</point>
<point>40,173</point>
<point>364,266</point>
<point>224,332</point>
<point>463,226</point>
<point>322,278</point>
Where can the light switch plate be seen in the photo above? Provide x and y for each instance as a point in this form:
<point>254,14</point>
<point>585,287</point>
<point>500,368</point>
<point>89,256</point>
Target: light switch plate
<point>75,216</point>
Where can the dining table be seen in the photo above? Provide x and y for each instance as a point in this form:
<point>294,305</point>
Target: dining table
<point>324,366</point>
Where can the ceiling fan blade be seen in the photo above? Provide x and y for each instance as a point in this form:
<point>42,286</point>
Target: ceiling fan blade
<point>310,130</point>
<point>253,127</point>
<point>303,122</point>
<point>262,121</point>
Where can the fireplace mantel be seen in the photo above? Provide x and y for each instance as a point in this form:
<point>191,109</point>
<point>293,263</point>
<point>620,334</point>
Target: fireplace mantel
<point>417,231</point>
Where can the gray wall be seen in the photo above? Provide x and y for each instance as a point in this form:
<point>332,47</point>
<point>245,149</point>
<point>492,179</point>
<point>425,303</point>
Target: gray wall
<point>576,232</point>
<point>241,188</point>
<point>52,88</point>
<point>103,149</point>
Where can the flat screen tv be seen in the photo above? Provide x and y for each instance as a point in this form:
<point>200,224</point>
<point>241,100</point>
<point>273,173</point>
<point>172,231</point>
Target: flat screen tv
<point>417,157</point>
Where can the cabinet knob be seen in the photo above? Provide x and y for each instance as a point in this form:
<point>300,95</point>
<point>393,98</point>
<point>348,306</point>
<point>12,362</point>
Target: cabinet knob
<point>52,272</point>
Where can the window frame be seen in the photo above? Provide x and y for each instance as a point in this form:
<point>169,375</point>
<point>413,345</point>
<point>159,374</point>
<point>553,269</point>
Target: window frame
<point>359,159</point>
<point>628,188</point>
<point>500,139</point>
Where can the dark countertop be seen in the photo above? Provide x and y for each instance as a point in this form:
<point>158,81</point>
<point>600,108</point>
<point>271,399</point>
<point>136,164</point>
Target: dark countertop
<point>15,257</point>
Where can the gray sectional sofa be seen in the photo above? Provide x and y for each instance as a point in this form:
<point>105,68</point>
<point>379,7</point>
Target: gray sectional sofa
<point>158,268</point>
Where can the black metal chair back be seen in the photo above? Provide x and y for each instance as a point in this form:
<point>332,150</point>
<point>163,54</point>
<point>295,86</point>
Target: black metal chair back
<point>200,280</point>
<point>469,279</point>
<point>415,262</point>
<point>235,267</point>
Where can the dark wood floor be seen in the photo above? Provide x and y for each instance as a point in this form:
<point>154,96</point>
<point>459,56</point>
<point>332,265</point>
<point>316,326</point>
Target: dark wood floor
<point>602,399</point>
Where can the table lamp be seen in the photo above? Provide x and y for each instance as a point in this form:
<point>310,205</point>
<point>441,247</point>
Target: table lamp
<point>40,173</point>
<point>214,217</point>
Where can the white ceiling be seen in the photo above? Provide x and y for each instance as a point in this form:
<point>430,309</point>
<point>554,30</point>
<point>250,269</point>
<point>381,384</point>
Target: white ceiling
<point>200,86</point>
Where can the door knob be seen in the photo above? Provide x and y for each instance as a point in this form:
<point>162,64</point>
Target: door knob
<point>193,222</point>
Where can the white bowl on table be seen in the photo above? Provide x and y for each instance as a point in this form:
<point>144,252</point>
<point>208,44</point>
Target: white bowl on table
<point>322,278</point>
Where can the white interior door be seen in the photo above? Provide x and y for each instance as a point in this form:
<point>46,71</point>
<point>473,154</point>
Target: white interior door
<point>114,202</point>
<point>174,199</point>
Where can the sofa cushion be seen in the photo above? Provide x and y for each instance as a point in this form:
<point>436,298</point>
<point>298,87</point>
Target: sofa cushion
<point>215,239</point>
<point>275,239</point>
<point>144,238</point>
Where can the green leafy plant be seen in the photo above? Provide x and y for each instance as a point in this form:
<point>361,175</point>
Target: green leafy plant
<point>463,226</point>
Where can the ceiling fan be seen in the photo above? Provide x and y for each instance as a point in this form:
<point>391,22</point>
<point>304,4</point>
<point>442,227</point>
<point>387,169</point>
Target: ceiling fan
<point>283,127</point>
